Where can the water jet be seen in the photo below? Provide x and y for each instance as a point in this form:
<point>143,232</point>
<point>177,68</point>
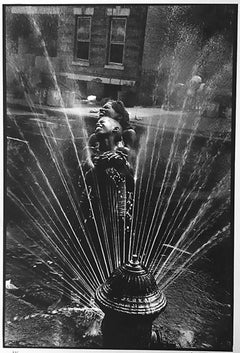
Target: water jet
<point>180,208</point>
<point>131,301</point>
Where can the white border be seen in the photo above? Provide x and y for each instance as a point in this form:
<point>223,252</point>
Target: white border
<point>236,338</point>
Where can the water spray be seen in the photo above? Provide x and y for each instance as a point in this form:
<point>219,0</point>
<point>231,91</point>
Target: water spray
<point>131,300</point>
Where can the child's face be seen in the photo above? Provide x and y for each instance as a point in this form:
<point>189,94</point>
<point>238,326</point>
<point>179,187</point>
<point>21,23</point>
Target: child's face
<point>108,110</point>
<point>105,125</point>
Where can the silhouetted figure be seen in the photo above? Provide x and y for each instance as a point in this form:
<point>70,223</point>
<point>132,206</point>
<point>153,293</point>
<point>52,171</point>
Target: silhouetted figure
<point>106,202</point>
<point>111,182</point>
<point>192,92</point>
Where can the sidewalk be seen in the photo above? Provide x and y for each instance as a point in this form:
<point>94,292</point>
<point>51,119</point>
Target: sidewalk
<point>139,116</point>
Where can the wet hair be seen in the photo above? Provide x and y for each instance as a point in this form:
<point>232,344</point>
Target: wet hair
<point>119,108</point>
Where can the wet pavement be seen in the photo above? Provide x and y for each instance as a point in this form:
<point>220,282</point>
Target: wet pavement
<point>197,316</point>
<point>139,116</point>
<point>199,310</point>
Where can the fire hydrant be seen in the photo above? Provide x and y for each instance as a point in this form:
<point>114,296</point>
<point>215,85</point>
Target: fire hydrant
<point>131,301</point>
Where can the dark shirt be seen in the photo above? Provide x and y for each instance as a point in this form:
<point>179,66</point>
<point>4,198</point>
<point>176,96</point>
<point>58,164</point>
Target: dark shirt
<point>111,177</point>
<point>108,215</point>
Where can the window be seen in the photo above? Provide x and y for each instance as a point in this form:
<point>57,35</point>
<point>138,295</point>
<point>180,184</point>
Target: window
<point>117,40</point>
<point>83,31</point>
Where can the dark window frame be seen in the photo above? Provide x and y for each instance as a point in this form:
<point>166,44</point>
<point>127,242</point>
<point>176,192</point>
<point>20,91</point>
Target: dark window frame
<point>110,42</point>
<point>82,41</point>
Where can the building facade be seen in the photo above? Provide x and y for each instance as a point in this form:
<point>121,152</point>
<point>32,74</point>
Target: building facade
<point>137,53</point>
<point>92,49</point>
<point>101,49</point>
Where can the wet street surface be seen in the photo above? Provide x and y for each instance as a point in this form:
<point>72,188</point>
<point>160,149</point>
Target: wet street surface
<point>197,316</point>
<point>199,310</point>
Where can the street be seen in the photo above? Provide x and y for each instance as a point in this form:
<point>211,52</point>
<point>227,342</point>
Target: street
<point>34,144</point>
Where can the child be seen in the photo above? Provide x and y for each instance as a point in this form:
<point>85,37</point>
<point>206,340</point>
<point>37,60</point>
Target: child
<point>110,185</point>
<point>116,110</point>
<point>105,203</point>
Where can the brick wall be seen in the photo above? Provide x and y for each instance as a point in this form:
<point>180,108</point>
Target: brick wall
<point>99,42</point>
<point>67,68</point>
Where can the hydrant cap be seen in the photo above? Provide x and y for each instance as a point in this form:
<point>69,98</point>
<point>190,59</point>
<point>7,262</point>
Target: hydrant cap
<point>131,289</point>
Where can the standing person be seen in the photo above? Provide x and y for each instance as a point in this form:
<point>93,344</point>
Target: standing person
<point>110,188</point>
<point>105,203</point>
<point>110,165</point>
<point>192,92</point>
